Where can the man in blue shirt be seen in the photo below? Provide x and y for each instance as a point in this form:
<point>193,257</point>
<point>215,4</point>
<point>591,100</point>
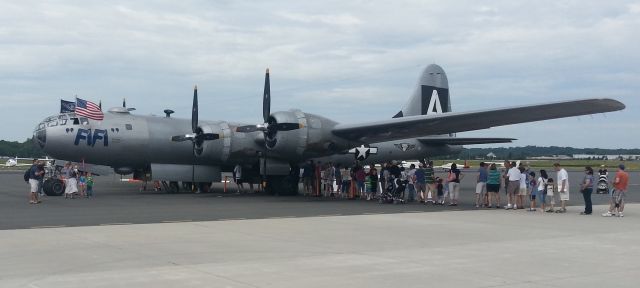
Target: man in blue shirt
<point>421,183</point>
<point>481,185</point>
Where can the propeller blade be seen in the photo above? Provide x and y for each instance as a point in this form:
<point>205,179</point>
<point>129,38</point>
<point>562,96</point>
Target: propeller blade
<point>180,138</point>
<point>247,129</point>
<point>266,100</point>
<point>209,136</point>
<point>194,110</point>
<point>287,126</point>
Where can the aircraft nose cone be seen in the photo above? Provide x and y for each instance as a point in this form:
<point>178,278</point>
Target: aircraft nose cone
<point>40,137</point>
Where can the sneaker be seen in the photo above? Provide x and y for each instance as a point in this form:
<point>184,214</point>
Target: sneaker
<point>477,206</point>
<point>497,206</point>
<point>531,209</point>
<point>585,213</point>
<point>608,214</point>
<point>549,210</point>
<point>620,214</point>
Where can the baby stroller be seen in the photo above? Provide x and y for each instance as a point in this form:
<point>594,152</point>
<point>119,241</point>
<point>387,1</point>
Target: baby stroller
<point>393,193</point>
<point>603,184</point>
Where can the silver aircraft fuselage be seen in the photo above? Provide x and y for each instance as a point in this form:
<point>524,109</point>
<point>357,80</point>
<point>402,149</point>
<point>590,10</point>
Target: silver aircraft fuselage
<point>128,142</point>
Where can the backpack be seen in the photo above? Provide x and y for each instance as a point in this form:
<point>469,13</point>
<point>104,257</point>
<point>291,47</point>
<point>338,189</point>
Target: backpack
<point>27,175</point>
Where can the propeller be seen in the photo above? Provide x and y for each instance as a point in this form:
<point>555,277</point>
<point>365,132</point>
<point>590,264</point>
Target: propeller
<point>198,136</point>
<point>270,126</point>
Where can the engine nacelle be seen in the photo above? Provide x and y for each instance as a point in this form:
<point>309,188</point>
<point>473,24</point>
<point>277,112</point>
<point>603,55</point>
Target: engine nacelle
<point>211,149</point>
<point>312,139</point>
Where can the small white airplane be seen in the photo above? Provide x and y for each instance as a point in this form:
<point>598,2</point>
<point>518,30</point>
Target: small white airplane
<point>14,162</point>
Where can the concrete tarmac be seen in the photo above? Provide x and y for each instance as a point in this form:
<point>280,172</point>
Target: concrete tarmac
<point>127,238</point>
<point>484,248</point>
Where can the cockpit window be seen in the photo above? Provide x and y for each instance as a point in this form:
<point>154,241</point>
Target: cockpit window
<point>41,126</point>
<point>128,126</point>
<point>62,119</point>
<point>84,121</point>
<point>52,123</point>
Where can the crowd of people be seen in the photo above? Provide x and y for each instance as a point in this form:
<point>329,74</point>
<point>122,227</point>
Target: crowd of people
<point>520,184</point>
<point>523,187</point>
<point>76,183</point>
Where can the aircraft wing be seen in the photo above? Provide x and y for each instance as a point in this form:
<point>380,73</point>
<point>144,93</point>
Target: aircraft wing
<point>424,125</point>
<point>462,140</point>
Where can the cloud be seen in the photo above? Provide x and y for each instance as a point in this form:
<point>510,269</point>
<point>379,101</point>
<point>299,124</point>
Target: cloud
<point>330,19</point>
<point>326,58</point>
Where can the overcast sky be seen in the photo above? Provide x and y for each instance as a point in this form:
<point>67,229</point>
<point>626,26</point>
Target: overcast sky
<point>350,62</point>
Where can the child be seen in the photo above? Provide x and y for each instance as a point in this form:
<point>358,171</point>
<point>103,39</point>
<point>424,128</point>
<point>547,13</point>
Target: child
<point>550,191</point>
<point>533,186</point>
<point>440,187</point>
<point>82,182</point>
<point>89,182</point>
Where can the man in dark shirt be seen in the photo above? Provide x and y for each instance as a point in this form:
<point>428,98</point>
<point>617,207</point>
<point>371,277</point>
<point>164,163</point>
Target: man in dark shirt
<point>35,175</point>
<point>394,170</point>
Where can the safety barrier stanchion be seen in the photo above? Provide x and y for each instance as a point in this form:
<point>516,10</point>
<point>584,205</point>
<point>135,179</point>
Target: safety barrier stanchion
<point>225,183</point>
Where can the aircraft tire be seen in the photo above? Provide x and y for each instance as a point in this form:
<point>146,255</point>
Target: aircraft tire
<point>53,187</point>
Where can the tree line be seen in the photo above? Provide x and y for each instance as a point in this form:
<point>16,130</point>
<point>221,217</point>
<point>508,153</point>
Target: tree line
<point>538,151</point>
<point>26,149</point>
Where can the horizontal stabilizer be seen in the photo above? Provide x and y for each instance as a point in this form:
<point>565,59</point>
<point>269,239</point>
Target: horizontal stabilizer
<point>462,141</point>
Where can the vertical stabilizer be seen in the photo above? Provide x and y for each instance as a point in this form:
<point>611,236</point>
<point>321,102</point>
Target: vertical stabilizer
<point>431,95</point>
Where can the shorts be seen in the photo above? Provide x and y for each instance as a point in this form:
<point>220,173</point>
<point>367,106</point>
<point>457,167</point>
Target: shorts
<point>481,187</point>
<point>617,196</point>
<point>493,187</point>
<point>513,187</point>
<point>541,194</point>
<point>421,187</point>
<point>34,185</point>
<point>523,191</point>
<point>564,196</point>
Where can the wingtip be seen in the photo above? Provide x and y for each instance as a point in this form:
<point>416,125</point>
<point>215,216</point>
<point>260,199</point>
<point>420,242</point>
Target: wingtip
<point>614,104</point>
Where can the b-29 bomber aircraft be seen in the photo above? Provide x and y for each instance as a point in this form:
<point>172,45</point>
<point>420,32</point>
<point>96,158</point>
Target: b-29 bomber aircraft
<point>195,151</point>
